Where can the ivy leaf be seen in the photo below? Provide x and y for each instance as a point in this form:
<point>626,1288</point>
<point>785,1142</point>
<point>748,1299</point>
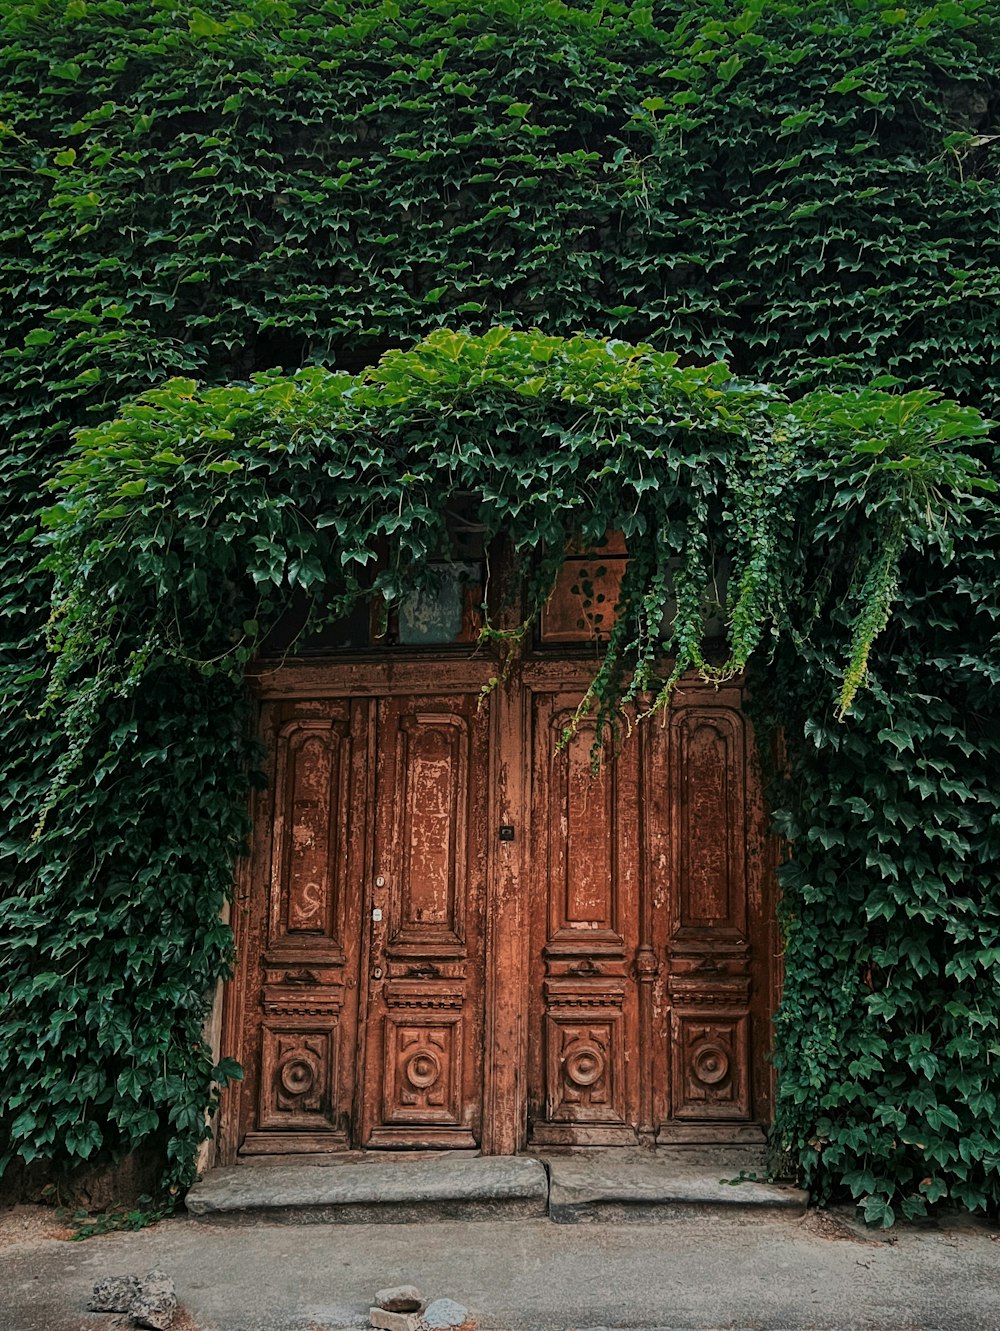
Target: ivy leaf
<point>201,24</point>
<point>849,83</point>
<point>727,69</point>
<point>877,1211</point>
<point>227,1070</point>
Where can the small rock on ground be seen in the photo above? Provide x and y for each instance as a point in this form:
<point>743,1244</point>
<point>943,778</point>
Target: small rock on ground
<point>150,1302</point>
<point>444,1314</point>
<point>156,1302</point>
<point>399,1299</point>
<point>114,1294</point>
<point>384,1320</point>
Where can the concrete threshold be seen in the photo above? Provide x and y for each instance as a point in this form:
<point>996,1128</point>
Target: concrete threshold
<point>609,1185</point>
<point>391,1192</point>
<point>621,1188</point>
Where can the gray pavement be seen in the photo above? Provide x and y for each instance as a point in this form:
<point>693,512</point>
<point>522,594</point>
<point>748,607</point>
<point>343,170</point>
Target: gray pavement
<point>735,1269</point>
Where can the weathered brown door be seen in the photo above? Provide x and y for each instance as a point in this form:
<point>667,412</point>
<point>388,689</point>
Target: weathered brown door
<point>300,948</point>
<point>712,935</point>
<point>642,955</point>
<point>628,917</point>
<point>364,951</point>
<point>584,891</point>
<point>423,1058</point>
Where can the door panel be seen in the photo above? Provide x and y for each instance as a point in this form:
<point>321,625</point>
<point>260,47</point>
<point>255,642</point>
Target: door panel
<point>706,941</point>
<point>584,888</point>
<point>302,990</point>
<point>423,1062</point>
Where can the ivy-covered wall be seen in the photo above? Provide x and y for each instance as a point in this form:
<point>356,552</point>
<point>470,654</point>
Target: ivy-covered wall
<point>806,189</point>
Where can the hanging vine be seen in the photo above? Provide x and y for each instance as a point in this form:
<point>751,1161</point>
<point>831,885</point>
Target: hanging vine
<point>183,526</point>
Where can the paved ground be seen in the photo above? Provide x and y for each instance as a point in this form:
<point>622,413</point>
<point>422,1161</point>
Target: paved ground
<point>705,1271</point>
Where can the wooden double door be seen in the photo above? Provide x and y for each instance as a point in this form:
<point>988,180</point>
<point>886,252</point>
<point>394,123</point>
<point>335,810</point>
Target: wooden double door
<point>452,935</point>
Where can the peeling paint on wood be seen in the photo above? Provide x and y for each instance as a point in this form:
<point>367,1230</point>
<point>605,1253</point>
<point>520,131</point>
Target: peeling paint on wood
<point>607,976</point>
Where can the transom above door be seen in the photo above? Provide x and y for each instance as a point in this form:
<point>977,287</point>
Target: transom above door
<point>452,935</point>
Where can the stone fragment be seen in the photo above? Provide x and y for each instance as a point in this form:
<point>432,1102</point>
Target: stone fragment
<point>156,1302</point>
<point>443,1314</point>
<point>384,1320</point>
<point>399,1299</point>
<point>115,1294</point>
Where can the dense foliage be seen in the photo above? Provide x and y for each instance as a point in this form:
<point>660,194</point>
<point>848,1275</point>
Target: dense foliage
<point>187,524</point>
<point>887,1037</point>
<point>804,189</point>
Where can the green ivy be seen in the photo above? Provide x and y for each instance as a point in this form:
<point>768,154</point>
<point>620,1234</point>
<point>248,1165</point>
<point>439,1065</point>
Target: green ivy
<point>185,525</point>
<point>887,1036</point>
<point>114,940</point>
<point>805,191</point>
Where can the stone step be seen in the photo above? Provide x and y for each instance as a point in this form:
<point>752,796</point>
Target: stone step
<point>608,1185</point>
<point>615,1188</point>
<point>478,1188</point>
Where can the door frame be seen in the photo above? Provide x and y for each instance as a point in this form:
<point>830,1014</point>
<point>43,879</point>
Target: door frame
<point>507,936</point>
